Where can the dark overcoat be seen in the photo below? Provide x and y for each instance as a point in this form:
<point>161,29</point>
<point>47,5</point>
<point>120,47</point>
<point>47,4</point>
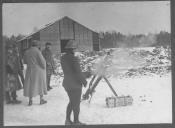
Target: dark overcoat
<point>13,68</point>
<point>73,77</point>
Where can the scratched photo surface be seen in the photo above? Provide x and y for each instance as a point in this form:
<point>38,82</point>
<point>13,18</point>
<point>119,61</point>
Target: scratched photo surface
<point>124,50</point>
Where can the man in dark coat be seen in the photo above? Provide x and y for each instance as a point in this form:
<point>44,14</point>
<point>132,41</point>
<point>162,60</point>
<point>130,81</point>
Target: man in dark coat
<point>72,82</point>
<point>13,69</point>
<point>50,67</point>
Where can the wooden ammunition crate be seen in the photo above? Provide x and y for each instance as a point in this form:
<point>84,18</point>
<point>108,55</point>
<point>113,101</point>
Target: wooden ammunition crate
<point>119,101</point>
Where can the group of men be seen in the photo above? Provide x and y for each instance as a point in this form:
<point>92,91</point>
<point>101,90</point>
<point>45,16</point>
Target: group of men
<point>15,76</point>
<point>40,67</point>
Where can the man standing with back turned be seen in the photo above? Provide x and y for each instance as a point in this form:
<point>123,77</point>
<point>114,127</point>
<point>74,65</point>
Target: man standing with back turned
<point>35,78</point>
<point>72,83</point>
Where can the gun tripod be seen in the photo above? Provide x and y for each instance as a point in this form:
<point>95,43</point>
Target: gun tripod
<point>92,87</point>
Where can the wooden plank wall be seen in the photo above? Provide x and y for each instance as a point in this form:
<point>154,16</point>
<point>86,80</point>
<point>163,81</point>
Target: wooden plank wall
<point>83,37</point>
<point>66,29</point>
<point>96,42</point>
<point>51,34</point>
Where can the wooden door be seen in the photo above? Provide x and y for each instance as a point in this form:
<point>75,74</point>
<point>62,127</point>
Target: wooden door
<point>63,44</point>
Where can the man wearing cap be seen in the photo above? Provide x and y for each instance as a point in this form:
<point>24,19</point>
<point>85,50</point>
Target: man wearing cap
<point>35,78</point>
<point>72,83</point>
<point>49,63</point>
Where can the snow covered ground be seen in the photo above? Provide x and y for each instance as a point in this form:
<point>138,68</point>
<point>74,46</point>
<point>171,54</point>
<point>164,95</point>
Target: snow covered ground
<point>152,104</point>
<point>152,94</point>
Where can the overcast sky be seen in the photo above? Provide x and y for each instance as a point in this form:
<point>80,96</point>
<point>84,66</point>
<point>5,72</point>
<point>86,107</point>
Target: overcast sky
<point>124,17</point>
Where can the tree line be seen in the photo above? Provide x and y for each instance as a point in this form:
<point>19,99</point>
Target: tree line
<point>12,39</point>
<point>116,39</point>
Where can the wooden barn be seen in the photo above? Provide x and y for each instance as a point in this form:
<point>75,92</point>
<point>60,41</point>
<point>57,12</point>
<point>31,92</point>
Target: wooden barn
<point>59,32</point>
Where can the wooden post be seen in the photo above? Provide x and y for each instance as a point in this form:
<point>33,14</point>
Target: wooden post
<point>110,86</point>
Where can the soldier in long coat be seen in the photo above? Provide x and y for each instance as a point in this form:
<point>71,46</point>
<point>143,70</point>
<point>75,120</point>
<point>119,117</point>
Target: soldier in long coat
<point>50,66</point>
<point>35,78</point>
<point>72,82</point>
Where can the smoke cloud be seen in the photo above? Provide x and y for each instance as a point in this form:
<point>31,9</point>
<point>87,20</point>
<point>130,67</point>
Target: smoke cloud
<point>148,40</point>
<point>120,61</point>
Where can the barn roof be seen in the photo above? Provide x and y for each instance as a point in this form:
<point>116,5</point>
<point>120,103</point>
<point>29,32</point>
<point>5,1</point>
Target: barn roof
<point>47,25</point>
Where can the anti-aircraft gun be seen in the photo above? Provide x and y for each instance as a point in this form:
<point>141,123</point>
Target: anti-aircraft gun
<point>98,75</point>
